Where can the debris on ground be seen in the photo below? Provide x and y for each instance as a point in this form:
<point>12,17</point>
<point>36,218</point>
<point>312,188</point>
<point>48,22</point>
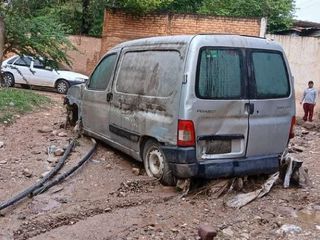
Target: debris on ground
<point>243,199</point>
<point>206,232</point>
<point>45,129</point>
<point>1,144</point>
<point>136,171</point>
<point>27,173</point>
<point>289,229</point>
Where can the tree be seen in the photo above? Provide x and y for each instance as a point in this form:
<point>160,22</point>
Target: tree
<point>280,13</point>
<point>22,33</point>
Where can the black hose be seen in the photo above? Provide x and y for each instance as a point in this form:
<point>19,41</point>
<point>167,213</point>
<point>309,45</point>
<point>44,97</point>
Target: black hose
<point>50,184</point>
<point>39,184</point>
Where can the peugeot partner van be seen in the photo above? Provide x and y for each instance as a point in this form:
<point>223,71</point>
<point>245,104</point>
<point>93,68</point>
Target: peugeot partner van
<point>204,106</point>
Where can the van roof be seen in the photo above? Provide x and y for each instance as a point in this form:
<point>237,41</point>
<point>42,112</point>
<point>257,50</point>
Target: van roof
<point>214,39</point>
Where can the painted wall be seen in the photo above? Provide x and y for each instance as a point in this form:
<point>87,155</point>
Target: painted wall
<point>303,54</point>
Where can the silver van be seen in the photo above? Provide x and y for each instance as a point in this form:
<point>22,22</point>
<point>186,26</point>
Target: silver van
<point>204,106</point>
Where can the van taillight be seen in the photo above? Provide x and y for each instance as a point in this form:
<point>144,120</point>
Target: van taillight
<point>293,123</point>
<point>186,133</point>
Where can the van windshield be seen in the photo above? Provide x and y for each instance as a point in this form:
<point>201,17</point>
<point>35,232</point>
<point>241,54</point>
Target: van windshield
<point>219,74</point>
<point>270,75</point>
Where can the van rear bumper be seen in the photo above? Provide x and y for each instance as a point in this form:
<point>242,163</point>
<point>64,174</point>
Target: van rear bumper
<point>184,164</point>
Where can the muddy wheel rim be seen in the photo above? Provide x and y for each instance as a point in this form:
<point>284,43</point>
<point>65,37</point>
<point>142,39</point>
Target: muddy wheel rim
<point>155,162</point>
<point>62,87</point>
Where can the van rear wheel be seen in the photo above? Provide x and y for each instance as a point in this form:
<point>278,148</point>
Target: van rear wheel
<point>156,164</point>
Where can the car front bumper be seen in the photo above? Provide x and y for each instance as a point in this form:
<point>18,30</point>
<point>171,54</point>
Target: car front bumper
<point>184,164</point>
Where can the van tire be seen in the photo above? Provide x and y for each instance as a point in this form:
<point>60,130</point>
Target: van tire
<point>156,164</point>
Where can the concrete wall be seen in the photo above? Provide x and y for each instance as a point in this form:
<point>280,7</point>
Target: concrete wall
<point>303,54</point>
<point>119,26</point>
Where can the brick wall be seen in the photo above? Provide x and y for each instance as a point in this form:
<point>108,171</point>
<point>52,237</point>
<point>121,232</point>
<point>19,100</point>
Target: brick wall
<point>119,26</point>
<point>87,54</point>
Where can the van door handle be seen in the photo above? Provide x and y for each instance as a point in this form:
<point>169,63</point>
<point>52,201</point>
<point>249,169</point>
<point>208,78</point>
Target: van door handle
<point>109,96</point>
<point>249,107</point>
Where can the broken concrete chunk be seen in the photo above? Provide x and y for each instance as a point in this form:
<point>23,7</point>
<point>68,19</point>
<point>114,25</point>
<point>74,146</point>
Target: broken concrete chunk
<point>206,232</point>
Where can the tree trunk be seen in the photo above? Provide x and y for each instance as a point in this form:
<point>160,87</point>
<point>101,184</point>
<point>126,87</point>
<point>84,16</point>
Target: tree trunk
<point>2,41</point>
<point>85,17</point>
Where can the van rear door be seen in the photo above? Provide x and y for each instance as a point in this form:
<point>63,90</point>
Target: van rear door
<point>271,102</point>
<point>221,111</point>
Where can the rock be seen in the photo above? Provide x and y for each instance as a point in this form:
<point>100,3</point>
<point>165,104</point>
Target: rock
<point>108,167</point>
<point>174,230</point>
<point>245,235</point>
<point>136,171</point>
<point>107,210</point>
<point>3,162</point>
<point>228,232</point>
<point>298,149</point>
<point>11,104</point>
<point>305,132</point>
<point>27,173</point>
<point>5,122</point>
<point>206,232</point>
<point>54,132</point>
<point>121,194</point>
<point>62,134</point>
<point>289,229</point>
<point>1,144</point>
<point>318,227</point>
<point>44,129</point>
<point>59,152</point>
<point>44,174</point>
<point>35,152</point>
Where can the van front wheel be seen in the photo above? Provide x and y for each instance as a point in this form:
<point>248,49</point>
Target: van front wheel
<point>156,164</point>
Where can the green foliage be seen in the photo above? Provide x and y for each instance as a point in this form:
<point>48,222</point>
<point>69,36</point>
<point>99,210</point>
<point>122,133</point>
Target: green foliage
<point>38,36</point>
<point>86,16</point>
<point>17,101</point>
<point>278,12</point>
<point>34,35</point>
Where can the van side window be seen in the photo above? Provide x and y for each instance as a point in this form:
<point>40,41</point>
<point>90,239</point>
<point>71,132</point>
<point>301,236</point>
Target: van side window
<point>150,73</point>
<point>270,75</point>
<point>101,76</point>
<point>219,74</point>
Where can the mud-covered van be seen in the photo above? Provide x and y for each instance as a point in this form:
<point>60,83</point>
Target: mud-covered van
<point>202,106</point>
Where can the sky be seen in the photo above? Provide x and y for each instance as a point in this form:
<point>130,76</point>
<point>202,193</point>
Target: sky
<point>308,10</point>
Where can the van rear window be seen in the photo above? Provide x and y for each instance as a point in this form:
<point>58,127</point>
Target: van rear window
<point>270,74</point>
<point>219,74</point>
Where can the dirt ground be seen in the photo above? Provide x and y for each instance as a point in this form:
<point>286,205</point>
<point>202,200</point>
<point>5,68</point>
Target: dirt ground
<point>106,200</point>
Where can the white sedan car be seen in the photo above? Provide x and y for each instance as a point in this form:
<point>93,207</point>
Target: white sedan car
<point>26,71</point>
